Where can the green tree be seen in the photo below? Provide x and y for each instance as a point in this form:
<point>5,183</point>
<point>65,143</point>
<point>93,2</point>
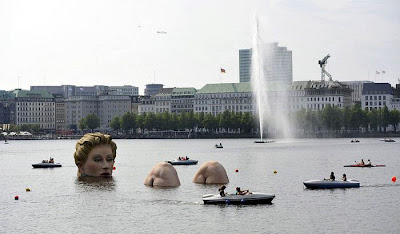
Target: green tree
<point>191,120</point>
<point>200,119</point>
<point>24,127</point>
<point>115,123</point>
<point>356,117</point>
<point>82,124</point>
<point>128,122</point>
<point>328,117</point>
<point>174,121</point>
<point>35,128</point>
<point>385,118</point>
<point>394,119</point>
<point>247,122</point>
<point>373,119</point>
<point>166,121</point>
<point>224,120</point>
<point>92,121</point>
<point>139,121</point>
<point>149,122</point>
<point>346,117</point>
<point>235,120</point>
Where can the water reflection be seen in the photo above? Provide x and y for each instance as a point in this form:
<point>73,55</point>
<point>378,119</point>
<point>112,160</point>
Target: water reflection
<point>96,183</point>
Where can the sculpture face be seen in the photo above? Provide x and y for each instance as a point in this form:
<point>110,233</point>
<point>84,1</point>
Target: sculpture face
<point>211,172</point>
<point>163,175</point>
<point>100,162</point>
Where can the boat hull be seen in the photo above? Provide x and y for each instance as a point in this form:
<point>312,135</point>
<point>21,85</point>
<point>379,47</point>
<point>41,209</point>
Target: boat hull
<point>359,165</point>
<point>328,184</point>
<point>46,165</point>
<point>183,162</point>
<point>254,198</point>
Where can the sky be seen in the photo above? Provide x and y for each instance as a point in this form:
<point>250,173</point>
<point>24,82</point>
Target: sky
<point>182,43</point>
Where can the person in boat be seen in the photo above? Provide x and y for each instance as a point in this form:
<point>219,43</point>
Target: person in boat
<point>162,175</point>
<point>332,176</point>
<point>51,160</point>
<point>241,192</point>
<point>368,163</point>
<point>45,161</point>
<point>220,144</point>
<point>179,158</point>
<point>211,172</point>
<point>362,162</point>
<point>222,191</point>
<point>344,178</point>
<point>95,155</point>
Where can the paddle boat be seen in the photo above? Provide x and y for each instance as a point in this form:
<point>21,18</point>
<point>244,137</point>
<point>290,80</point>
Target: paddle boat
<point>364,165</point>
<point>182,161</point>
<point>329,184</point>
<point>46,165</point>
<point>250,198</point>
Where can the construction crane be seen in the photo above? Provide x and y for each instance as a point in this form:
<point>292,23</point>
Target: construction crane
<point>322,64</point>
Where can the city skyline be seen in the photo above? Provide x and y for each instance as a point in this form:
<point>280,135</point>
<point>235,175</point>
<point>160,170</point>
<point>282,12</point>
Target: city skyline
<point>186,44</point>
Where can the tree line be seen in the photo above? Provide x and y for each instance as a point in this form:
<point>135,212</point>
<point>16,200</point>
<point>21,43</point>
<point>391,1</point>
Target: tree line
<point>333,119</point>
<point>330,119</point>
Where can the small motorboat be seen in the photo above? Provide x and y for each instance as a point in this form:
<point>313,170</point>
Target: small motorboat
<point>218,146</point>
<point>182,162</point>
<point>46,165</point>
<point>389,140</point>
<point>364,165</point>
<point>262,141</point>
<point>251,198</point>
<point>329,184</point>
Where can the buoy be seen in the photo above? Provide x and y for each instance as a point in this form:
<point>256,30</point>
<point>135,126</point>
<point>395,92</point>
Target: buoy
<point>113,168</point>
<point>16,197</point>
<point>28,189</point>
<point>237,170</point>
<point>275,172</point>
<point>394,178</point>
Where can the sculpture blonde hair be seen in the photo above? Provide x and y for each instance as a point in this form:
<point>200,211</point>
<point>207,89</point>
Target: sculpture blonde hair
<point>88,142</point>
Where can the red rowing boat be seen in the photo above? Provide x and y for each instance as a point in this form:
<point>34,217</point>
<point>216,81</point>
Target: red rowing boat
<point>364,165</point>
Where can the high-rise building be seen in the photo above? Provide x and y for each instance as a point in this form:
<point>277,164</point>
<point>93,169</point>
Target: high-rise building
<point>277,63</point>
<point>152,89</point>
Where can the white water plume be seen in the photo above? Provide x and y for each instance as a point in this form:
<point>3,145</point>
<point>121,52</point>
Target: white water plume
<point>270,94</point>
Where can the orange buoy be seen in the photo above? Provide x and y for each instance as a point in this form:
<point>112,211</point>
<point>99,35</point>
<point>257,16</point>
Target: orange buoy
<point>114,168</point>
<point>394,178</point>
<point>16,197</point>
<point>237,170</point>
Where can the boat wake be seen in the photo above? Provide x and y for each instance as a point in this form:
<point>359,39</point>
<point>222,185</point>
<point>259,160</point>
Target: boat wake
<point>380,185</point>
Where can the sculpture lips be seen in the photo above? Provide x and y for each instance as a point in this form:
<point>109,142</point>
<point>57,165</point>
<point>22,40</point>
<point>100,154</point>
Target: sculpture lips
<point>105,174</point>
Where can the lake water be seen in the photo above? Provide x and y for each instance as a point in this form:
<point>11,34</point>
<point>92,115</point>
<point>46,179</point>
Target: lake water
<point>58,202</point>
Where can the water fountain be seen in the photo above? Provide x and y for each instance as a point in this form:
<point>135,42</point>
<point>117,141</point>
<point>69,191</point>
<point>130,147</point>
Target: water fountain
<point>269,95</point>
